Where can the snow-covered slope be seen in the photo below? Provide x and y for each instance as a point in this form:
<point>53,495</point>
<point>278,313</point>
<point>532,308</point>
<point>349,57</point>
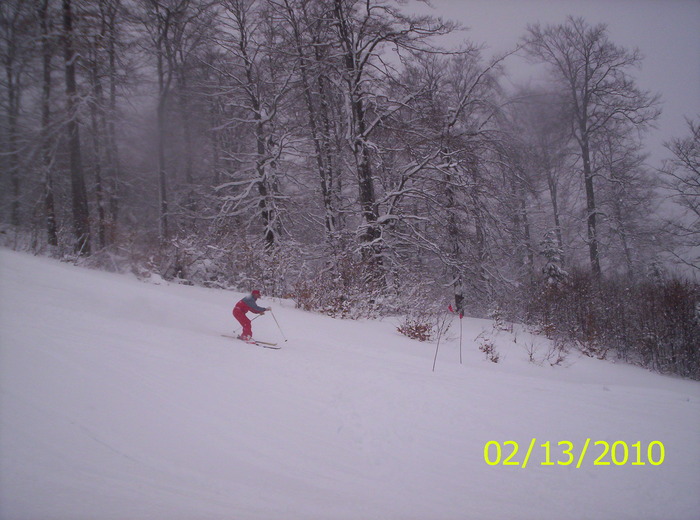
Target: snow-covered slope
<point>121,400</point>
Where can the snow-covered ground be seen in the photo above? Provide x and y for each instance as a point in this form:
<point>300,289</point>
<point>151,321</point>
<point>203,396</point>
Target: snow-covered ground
<point>121,400</point>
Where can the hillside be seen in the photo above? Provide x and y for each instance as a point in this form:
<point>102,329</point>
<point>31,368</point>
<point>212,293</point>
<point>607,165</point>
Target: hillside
<point>121,400</point>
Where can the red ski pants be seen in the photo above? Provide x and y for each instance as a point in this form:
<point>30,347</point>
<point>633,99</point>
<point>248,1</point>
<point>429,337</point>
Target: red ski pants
<point>239,314</point>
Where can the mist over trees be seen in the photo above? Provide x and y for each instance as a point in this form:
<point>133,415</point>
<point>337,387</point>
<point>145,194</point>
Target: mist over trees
<point>335,153</point>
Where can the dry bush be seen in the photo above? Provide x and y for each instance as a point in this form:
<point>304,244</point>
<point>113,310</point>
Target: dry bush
<point>415,328</point>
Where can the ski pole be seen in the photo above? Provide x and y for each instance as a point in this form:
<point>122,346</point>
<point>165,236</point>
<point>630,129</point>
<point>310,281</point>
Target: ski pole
<point>460,339</point>
<point>255,318</point>
<point>437,347</point>
<point>460,313</point>
<point>278,325</point>
<point>441,328</point>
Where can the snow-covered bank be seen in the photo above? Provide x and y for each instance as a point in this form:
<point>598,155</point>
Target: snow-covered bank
<point>121,399</point>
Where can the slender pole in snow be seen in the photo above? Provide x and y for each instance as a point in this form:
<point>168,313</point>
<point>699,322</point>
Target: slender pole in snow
<point>437,347</point>
<point>440,326</point>
<point>460,339</point>
<point>278,326</point>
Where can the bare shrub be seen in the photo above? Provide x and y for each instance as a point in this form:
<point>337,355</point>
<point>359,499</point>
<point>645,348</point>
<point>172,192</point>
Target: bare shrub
<point>488,348</point>
<point>651,322</point>
<point>416,329</point>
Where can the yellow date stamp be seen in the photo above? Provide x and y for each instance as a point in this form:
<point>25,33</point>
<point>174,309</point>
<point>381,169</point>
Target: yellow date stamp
<point>566,453</point>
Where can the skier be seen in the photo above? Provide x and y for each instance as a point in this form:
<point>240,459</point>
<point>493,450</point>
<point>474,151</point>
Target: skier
<point>248,304</point>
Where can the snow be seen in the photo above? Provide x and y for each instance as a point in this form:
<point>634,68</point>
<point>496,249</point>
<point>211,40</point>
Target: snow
<point>121,399</point>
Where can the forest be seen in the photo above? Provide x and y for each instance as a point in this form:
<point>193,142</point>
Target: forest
<point>338,153</point>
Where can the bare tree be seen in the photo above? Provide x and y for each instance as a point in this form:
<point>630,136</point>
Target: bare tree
<point>682,173</point>
<point>627,200</point>
<point>81,217</point>
<point>16,46</point>
<point>467,141</point>
<point>437,199</point>
<point>600,92</point>
<point>188,69</point>
<point>97,116</point>
<point>260,82</point>
<point>165,22</point>
<point>309,37</point>
<point>540,125</point>
<point>47,53</point>
<point>364,29</point>
<point>112,14</point>
<point>101,45</point>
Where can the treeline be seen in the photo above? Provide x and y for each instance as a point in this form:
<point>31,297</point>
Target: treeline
<point>334,152</point>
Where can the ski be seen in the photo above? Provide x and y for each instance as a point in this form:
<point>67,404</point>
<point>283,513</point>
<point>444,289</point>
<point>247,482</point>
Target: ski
<point>264,344</point>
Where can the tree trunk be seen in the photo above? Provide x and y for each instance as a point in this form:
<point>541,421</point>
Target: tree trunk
<point>183,99</point>
<point>12,80</point>
<point>529,253</point>
<point>554,197</point>
<point>96,116</point>
<point>163,87</point>
<point>264,188</point>
<point>591,210</point>
<point>453,238</point>
<point>186,127</point>
<point>215,144</point>
<point>81,218</point>
<point>112,152</point>
<point>13,156</point>
<point>46,54</point>
<point>364,178</point>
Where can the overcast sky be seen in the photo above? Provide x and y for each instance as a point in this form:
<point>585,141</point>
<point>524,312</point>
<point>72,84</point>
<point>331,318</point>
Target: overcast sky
<point>667,32</point>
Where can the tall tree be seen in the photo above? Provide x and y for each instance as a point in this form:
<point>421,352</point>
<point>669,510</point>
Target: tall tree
<point>364,31</point>
<point>112,14</point>
<point>95,61</point>
<point>308,31</point>
<point>47,45</point>
<point>159,20</point>
<point>260,82</point>
<point>540,125</point>
<point>682,174</point>
<point>167,23</point>
<point>594,73</point>
<point>627,198</point>
<point>187,58</point>
<point>81,216</point>
<point>436,150</point>
<point>469,92</point>
<point>16,46</point>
